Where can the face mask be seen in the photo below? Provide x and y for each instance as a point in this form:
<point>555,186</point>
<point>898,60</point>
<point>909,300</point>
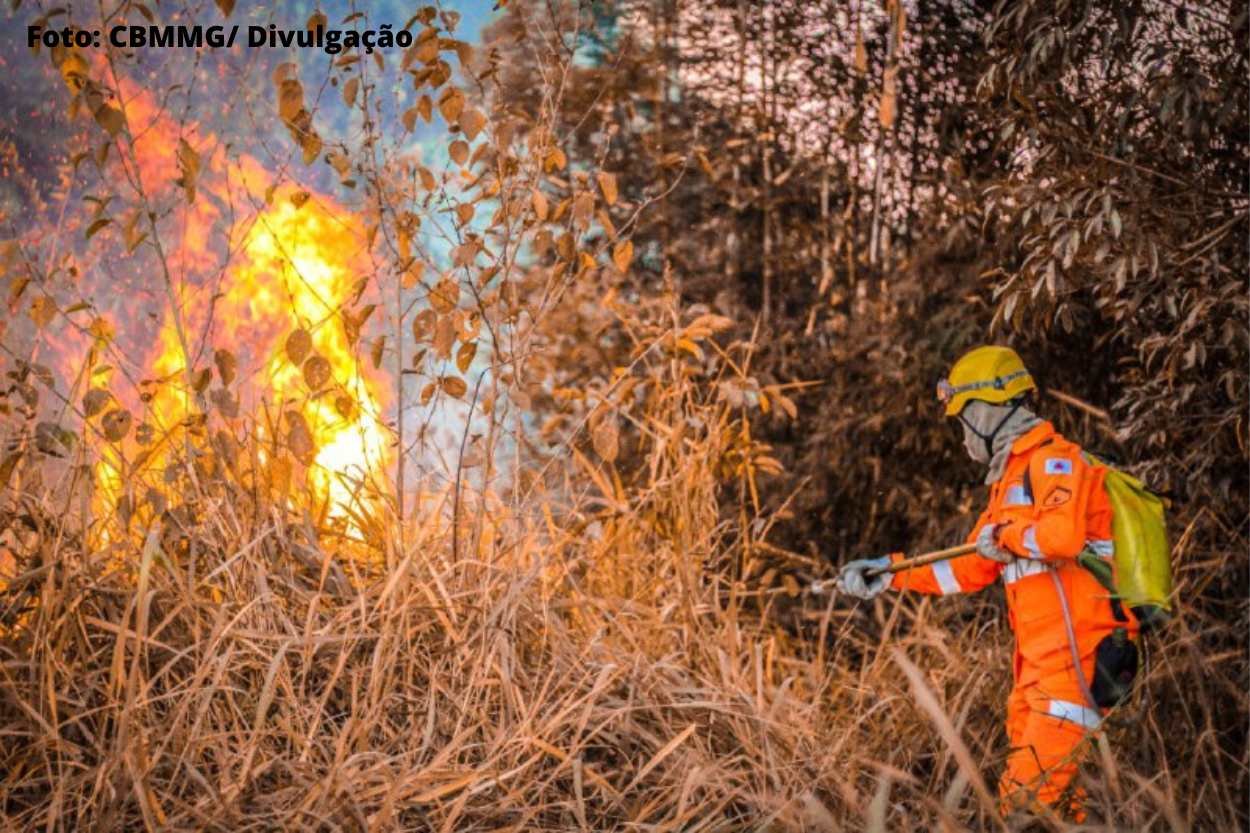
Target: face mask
<point>974,445</point>
<point>981,422</point>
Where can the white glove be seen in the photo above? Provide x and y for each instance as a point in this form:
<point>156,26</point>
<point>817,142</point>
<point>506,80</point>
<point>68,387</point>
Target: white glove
<point>987,547</point>
<point>855,581</point>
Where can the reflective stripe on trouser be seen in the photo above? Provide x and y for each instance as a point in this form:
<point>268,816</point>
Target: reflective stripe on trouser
<point>1047,745</point>
<point>1083,716</point>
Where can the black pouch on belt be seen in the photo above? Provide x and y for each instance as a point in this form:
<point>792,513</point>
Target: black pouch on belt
<point>1115,666</point>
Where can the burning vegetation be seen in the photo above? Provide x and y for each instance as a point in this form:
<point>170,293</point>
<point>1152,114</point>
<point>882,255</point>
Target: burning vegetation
<point>447,438</point>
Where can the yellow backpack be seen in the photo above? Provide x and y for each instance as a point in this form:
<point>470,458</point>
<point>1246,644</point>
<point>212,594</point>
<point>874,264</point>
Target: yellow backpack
<point>1142,574</point>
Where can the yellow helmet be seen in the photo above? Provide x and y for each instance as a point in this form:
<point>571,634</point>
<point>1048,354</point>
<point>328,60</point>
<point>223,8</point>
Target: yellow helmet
<point>991,373</point>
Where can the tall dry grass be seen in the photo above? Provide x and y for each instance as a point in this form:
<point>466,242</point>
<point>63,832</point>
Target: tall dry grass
<point>597,642</point>
<point>588,662</point>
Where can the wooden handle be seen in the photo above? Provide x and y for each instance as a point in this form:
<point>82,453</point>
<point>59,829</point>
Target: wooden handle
<point>927,558</point>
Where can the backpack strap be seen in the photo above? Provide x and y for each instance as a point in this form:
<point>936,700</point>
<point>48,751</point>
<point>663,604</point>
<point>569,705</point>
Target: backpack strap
<point>1081,680</point>
<point>1028,481</point>
<point>1117,609</point>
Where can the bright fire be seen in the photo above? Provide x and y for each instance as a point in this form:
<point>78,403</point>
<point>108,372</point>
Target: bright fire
<point>299,265</point>
<point>297,269</point>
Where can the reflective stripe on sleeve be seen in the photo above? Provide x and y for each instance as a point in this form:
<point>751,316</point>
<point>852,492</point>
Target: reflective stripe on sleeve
<point>1083,716</point>
<point>946,578</point>
<point>1022,568</point>
<point>1102,546</point>
<point>1030,542</point>
<point>1017,496</point>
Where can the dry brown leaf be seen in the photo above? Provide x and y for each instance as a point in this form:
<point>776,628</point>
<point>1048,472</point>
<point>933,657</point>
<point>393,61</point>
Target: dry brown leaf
<point>310,144</point>
<point>339,161</point>
<point>131,232</point>
<point>623,255</point>
<point>607,185</point>
<point>566,246</point>
<point>555,160</point>
<point>444,336</point>
<point>412,274</point>
<point>188,157</point>
<point>116,424</point>
<point>606,438</point>
<point>445,295</point>
<point>298,346</point>
<point>583,209</point>
<point>96,225</point>
<point>225,402</point>
<point>75,71</point>
<point>317,372</point>
<point>299,439</point>
<point>290,99</point>
<point>189,166</point>
<point>538,201</point>
<point>450,104</point>
<point>471,122</point>
<point>453,386</point>
<point>42,310</point>
<point>459,151</point>
<point>94,401</point>
<point>609,227</point>
<point>53,439</point>
<point>227,366</point>
<point>425,50</point>
<point>696,351</point>
<point>102,330</point>
<point>201,379</point>
<point>423,324</point>
<point>464,356</point>
<point>111,119</point>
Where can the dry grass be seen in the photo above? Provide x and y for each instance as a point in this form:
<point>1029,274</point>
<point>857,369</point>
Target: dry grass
<point>592,666</point>
<point>601,643</point>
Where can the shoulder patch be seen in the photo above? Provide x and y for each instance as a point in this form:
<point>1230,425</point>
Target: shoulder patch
<point>1058,497</point>
<point>1058,465</point>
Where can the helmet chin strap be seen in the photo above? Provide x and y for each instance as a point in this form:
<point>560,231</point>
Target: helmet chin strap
<point>988,439</point>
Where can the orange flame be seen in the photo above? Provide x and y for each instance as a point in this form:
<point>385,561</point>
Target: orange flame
<point>296,267</point>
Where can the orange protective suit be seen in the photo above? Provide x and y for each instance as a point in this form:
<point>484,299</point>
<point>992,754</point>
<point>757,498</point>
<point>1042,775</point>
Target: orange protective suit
<point>1048,506</point>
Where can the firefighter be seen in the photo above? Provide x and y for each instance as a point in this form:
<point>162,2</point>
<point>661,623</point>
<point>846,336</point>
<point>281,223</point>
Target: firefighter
<point>1046,505</point>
